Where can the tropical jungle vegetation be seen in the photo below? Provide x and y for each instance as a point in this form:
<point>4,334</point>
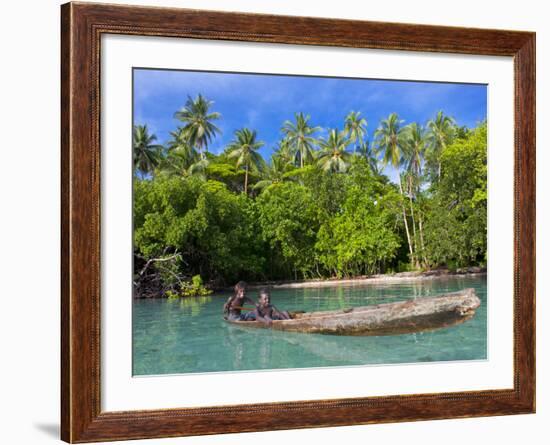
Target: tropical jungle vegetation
<point>320,207</point>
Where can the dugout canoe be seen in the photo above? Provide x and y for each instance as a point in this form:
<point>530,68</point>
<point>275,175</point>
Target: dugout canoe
<point>404,317</point>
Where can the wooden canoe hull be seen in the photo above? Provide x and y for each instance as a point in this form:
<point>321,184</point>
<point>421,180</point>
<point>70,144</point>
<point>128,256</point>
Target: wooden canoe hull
<point>405,317</point>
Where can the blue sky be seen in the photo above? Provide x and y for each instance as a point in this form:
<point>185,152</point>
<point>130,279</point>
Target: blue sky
<point>263,102</point>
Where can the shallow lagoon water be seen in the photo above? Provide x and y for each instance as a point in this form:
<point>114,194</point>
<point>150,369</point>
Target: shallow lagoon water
<point>189,335</point>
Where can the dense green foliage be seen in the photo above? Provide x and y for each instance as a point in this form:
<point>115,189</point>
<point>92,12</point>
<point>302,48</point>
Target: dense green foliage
<point>321,207</point>
<point>193,288</point>
<point>456,220</point>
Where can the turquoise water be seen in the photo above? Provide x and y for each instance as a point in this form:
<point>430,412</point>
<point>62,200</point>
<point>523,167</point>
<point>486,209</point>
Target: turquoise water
<point>189,335</point>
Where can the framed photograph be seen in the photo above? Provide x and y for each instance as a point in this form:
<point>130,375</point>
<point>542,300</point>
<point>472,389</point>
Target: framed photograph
<point>274,222</point>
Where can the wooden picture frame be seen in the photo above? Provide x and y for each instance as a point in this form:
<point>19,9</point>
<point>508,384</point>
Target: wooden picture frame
<point>82,26</point>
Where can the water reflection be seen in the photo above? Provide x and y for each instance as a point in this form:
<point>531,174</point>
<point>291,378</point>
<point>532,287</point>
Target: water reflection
<point>189,335</point>
<point>191,306</point>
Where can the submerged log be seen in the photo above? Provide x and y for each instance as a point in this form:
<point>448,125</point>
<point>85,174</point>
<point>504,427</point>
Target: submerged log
<point>404,317</point>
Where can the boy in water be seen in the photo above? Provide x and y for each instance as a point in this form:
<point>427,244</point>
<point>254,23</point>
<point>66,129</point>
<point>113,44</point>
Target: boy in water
<point>233,306</point>
<point>266,312</point>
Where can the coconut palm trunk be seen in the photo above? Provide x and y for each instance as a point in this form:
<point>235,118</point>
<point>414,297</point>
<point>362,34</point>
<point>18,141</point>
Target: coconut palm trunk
<point>413,225</point>
<point>414,234</point>
<point>406,223</point>
<point>422,240</point>
<point>246,179</point>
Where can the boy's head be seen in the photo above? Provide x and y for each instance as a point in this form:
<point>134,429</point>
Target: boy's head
<point>265,297</point>
<point>240,289</point>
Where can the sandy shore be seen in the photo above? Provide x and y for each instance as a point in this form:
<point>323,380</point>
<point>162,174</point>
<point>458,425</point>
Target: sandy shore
<point>374,279</point>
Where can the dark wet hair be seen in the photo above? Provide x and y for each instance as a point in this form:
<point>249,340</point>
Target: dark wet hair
<point>241,285</point>
<point>264,291</point>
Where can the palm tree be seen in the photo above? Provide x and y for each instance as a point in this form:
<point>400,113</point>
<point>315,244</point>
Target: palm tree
<point>299,135</point>
<point>283,151</point>
<point>442,131</point>
<point>366,150</point>
<point>333,156</point>
<point>181,145</point>
<point>182,158</point>
<point>417,141</point>
<point>146,154</point>
<point>177,164</point>
<point>274,173</point>
<point>391,139</point>
<point>244,148</point>
<point>355,128</point>
<point>199,128</point>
